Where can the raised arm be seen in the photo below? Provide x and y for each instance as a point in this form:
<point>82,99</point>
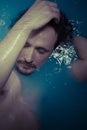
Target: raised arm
<point>37,16</point>
<point>79,67</point>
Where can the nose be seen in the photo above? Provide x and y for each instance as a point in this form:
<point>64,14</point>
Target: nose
<point>29,55</point>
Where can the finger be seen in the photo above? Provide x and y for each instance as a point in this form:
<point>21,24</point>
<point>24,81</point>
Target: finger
<point>56,16</point>
<point>56,10</point>
<point>52,4</point>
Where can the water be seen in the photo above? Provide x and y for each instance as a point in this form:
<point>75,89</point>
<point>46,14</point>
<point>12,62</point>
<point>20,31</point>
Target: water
<point>60,99</point>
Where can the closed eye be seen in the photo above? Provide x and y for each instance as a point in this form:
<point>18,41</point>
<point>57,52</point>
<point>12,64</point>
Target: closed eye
<point>26,45</point>
<point>42,50</point>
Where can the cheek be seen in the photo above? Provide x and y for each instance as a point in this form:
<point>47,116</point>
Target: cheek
<point>21,54</point>
<point>40,59</point>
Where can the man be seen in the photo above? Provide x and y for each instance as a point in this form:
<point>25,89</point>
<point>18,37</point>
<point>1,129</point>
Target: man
<point>28,44</point>
<point>14,113</point>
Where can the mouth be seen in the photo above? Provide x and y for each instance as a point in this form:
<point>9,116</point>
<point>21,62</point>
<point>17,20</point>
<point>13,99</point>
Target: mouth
<point>25,69</point>
<point>28,66</point>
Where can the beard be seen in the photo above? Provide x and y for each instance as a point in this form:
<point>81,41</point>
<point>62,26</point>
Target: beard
<point>25,68</point>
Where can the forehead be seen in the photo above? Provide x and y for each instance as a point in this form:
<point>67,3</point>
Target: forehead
<point>45,37</point>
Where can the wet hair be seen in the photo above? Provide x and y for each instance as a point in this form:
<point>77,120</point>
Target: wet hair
<point>63,28</point>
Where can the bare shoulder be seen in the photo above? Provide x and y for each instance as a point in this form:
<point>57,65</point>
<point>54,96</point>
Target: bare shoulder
<point>24,117</point>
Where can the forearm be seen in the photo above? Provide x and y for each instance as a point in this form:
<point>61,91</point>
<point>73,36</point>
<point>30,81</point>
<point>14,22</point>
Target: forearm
<point>78,69</point>
<point>11,46</point>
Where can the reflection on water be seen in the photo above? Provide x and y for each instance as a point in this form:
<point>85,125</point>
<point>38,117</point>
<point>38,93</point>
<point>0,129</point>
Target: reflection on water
<point>2,22</point>
<point>64,53</point>
<point>5,20</point>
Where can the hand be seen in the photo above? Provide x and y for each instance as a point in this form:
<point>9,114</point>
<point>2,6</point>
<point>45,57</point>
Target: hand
<point>41,13</point>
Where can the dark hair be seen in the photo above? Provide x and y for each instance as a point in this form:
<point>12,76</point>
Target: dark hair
<point>63,28</point>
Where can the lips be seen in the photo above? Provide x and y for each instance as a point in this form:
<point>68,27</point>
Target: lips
<point>26,65</point>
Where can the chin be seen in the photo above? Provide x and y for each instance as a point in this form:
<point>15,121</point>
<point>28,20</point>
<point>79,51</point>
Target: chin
<point>26,73</point>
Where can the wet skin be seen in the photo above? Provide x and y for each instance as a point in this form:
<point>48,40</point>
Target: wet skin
<point>37,49</point>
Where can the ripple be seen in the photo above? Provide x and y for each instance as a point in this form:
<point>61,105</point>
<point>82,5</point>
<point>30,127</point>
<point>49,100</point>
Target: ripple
<point>64,54</point>
<point>2,22</point>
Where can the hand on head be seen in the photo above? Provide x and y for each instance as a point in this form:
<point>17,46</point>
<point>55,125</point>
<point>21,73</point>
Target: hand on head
<point>42,12</point>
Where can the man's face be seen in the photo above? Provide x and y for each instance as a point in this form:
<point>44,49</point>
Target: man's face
<point>37,49</point>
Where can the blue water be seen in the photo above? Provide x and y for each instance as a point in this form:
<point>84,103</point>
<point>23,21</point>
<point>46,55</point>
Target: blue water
<point>62,100</point>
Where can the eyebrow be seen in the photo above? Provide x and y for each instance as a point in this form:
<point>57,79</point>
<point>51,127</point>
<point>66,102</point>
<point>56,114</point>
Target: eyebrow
<point>38,47</point>
<point>47,50</point>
